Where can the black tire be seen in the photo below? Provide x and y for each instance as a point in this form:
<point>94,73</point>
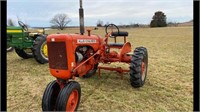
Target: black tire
<point>23,53</point>
<point>90,73</point>
<point>50,95</point>
<point>138,67</point>
<point>72,88</point>
<point>9,49</point>
<point>40,50</point>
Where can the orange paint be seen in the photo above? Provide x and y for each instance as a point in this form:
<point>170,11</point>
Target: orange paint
<point>67,67</point>
<point>72,101</point>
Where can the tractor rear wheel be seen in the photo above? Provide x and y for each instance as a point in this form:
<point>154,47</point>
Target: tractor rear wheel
<point>90,73</point>
<point>69,97</point>
<point>138,67</point>
<point>50,95</point>
<point>40,50</point>
<point>24,53</point>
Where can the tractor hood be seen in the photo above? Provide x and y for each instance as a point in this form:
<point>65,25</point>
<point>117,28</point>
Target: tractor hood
<point>14,28</point>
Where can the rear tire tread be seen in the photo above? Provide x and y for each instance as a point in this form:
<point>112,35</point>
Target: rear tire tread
<point>47,97</point>
<point>36,49</point>
<point>21,53</point>
<point>139,54</point>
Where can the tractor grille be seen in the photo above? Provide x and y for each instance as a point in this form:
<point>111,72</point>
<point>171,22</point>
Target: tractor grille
<point>57,55</point>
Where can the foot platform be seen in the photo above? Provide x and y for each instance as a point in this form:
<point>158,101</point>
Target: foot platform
<point>118,69</point>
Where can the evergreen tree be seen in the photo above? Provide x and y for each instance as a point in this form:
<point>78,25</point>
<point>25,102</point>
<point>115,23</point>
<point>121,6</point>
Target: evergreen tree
<point>159,20</point>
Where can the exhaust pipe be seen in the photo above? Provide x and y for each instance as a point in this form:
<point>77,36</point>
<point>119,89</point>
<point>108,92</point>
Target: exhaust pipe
<point>81,18</point>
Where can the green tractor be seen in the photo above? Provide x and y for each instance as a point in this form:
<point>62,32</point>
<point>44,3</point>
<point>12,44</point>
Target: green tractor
<point>27,44</point>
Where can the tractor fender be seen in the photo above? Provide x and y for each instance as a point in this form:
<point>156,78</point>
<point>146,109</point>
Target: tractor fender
<point>125,49</point>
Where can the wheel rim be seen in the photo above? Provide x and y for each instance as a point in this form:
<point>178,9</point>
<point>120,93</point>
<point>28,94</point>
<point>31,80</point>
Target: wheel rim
<point>9,48</point>
<point>44,51</point>
<point>28,51</point>
<point>143,70</point>
<point>72,101</point>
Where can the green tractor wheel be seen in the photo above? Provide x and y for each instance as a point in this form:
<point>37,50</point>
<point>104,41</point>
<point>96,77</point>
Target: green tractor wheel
<point>40,50</point>
<point>9,48</point>
<point>24,53</point>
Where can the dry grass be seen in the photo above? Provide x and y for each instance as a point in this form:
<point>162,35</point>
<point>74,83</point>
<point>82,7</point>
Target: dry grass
<point>169,84</point>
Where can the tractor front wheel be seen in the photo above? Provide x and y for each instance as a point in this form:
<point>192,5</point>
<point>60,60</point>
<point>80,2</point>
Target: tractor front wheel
<point>50,95</point>
<point>40,50</point>
<point>138,67</point>
<point>69,97</point>
<point>24,53</point>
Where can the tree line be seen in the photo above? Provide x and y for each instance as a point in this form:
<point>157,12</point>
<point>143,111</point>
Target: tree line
<point>159,19</point>
<point>60,21</point>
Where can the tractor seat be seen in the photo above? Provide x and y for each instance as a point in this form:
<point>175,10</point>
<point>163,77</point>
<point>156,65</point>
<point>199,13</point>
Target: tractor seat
<point>116,44</point>
<point>120,33</point>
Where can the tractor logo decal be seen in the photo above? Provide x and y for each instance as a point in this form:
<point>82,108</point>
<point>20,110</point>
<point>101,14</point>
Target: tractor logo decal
<point>86,41</point>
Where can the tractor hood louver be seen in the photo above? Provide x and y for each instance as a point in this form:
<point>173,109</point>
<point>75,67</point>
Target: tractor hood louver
<point>57,55</point>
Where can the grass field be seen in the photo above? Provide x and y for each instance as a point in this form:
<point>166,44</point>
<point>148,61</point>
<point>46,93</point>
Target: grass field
<point>169,84</point>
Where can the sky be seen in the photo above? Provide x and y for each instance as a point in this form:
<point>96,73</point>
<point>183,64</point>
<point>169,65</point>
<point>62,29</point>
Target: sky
<point>38,13</point>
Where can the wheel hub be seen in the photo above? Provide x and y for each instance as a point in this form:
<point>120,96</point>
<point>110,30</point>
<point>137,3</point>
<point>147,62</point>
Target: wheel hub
<point>72,101</point>
<point>143,70</point>
<point>44,50</point>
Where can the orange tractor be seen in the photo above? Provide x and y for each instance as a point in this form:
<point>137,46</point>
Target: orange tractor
<point>75,55</point>
<point>78,55</point>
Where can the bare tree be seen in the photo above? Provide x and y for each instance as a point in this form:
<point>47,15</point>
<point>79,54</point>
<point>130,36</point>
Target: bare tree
<point>60,21</point>
<point>10,22</point>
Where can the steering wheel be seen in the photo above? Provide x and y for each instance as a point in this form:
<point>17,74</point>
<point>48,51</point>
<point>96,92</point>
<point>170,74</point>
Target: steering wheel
<point>111,26</point>
<point>23,25</point>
